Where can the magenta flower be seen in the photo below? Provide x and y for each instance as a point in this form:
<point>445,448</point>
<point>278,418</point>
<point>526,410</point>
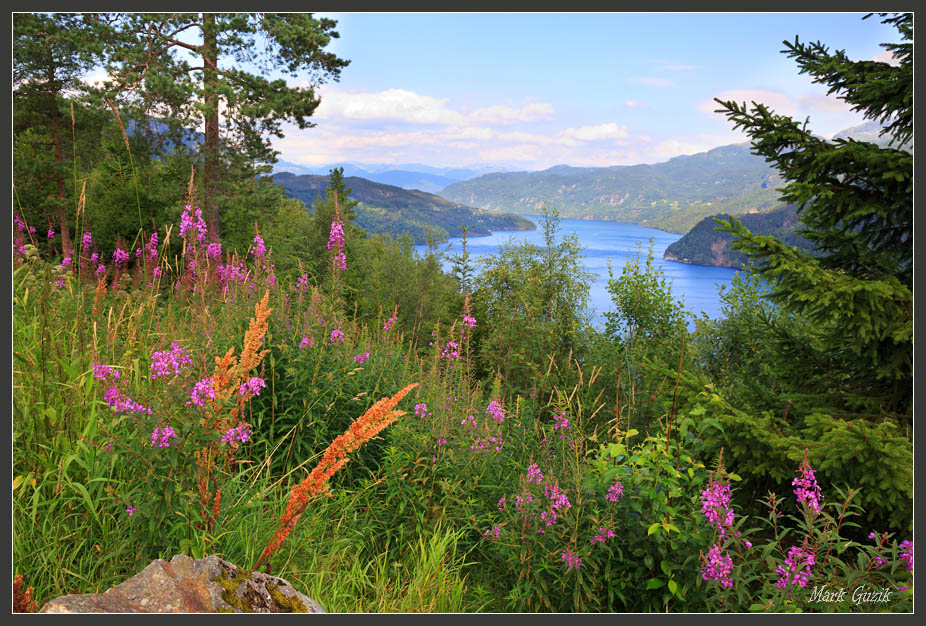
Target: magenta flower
<point>252,387</point>
<point>796,569</point>
<point>907,554</point>
<point>361,358</point>
<point>561,422</point>
<point>20,225</point>
<point>306,343</point>
<point>161,437</point>
<point>101,271</point>
<point>194,223</point>
<point>718,565</point>
<point>101,372</point>
<point>201,392</point>
<point>603,535</point>
<point>86,242</point>
<point>259,251</point>
<point>131,510</point>
<point>495,410</point>
<point>615,491</point>
<point>239,433</point>
<point>493,533</point>
<point>389,323</point>
<point>214,250</point>
<point>533,474</point>
<point>166,362</point>
<point>51,233</point>
<point>807,491</point>
<point>336,334</point>
<point>421,410</point>
<point>152,246</point>
<point>715,504</point>
<point>571,559</point>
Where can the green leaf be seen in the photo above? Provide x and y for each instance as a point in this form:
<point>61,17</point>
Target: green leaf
<point>653,528</point>
<point>654,583</point>
<point>673,586</point>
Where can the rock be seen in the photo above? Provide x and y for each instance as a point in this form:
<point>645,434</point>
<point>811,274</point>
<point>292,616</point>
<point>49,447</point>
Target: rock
<point>209,585</point>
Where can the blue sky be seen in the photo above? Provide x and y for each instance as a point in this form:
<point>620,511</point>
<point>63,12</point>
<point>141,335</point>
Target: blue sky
<point>528,91</point>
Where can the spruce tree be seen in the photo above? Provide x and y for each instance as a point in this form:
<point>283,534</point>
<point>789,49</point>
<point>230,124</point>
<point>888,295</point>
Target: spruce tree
<point>855,200</point>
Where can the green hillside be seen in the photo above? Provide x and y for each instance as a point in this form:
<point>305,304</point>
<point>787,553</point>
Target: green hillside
<point>388,209</point>
<point>672,196</point>
<point>705,246</point>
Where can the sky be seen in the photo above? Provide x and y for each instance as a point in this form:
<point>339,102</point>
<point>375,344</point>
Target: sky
<point>529,91</point>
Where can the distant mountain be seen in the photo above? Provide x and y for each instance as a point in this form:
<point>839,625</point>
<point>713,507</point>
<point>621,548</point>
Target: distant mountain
<point>405,175</point>
<point>672,196</point>
<point>705,246</point>
<point>391,209</point>
<point>870,132</point>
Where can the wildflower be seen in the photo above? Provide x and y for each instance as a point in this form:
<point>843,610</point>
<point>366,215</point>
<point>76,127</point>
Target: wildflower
<point>214,250</point>
<point>561,422</point>
<point>907,554</point>
<point>101,271</point>
<point>302,283</point>
<point>60,283</point>
<point>193,223</point>
<point>20,225</point>
<point>367,426</point>
<point>95,258</point>
<point>152,246</point>
<point>718,565</point>
<point>493,533</point>
<point>161,437</point>
<point>807,492</point>
<point>469,321</point>
<point>338,334</point>
<point>138,253</point>
<point>239,433</point>
<point>603,535</point>
<point>201,392</point>
<point>120,257</point>
<point>495,410</point>
<point>51,233</point>
<point>86,242</point>
<point>131,510</point>
<point>571,559</point>
<point>252,387</point>
<point>165,362</point>
<point>421,410</point>
<point>615,491</point>
<point>259,251</point>
<point>715,504</point>
<point>32,230</point>
<point>533,474</point>
<point>361,358</point>
<point>389,323</point>
<point>483,445</point>
<point>469,420</point>
<point>306,343</point>
<point>157,272</point>
<point>101,372</point>
<point>796,569</point>
<point>501,503</point>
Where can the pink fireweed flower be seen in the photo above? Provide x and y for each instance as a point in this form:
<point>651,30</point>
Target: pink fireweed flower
<point>615,491</point>
<point>306,343</point>
<point>302,283</point>
<point>483,444</point>
<point>101,372</point>
<point>907,553</point>
<point>131,510</point>
<point>66,261</point>
<point>239,433</point>
<point>86,242</point>
<point>715,504</point>
<point>533,474</point>
<point>336,335</point>
<point>95,258</point>
<point>32,230</point>
<point>361,358</point>
<point>807,491</point>
<point>336,235</point>
<point>421,410</point>
<point>152,247</point>
<point>561,422</point>
<point>259,251</point>
<point>252,387</point>
<point>138,253</point>
<point>796,569</point>
<point>101,271</point>
<point>214,250</point>
<point>166,362</point>
<point>51,233</point>
<point>161,437</point>
<point>469,321</point>
<point>493,533</point>
<point>60,283</point>
<point>495,410</point>
<point>120,403</point>
<point>718,565</point>
<point>501,503</point>
<point>20,225</point>
<point>201,392</point>
<point>157,272</point>
<point>193,223</point>
<point>389,323</point>
<point>603,535</point>
<point>469,420</point>
<point>571,560</point>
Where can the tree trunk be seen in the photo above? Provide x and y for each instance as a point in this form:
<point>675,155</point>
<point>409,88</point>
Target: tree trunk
<point>211,118</point>
<point>56,123</point>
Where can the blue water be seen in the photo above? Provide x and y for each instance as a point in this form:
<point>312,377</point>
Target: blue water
<point>612,244</point>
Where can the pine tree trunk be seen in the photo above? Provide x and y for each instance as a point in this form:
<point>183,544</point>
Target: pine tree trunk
<point>211,100</point>
<point>56,123</point>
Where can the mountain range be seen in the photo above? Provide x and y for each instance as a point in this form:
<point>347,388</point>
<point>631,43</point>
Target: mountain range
<point>390,209</point>
<point>406,175</point>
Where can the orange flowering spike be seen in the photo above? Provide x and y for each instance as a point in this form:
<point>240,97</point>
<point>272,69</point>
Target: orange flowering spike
<point>364,428</point>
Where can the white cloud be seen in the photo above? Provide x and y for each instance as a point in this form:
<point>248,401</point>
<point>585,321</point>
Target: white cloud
<point>411,107</point>
<point>823,102</point>
<point>887,57</point>
<point>653,81</point>
<point>636,104</point>
<point>596,133</point>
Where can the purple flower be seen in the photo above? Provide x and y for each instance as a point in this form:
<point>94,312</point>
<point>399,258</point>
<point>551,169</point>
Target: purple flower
<point>533,474</point>
<point>86,242</point>
<point>239,433</point>
<point>51,233</point>
<point>493,534</point>
<point>306,343</point>
<point>193,223</point>
<point>561,422</point>
<point>361,358</point>
<point>66,261</point>
<point>201,392</point>
<point>389,323</point>
<point>717,566</point>
<point>907,554</point>
<point>161,437</point>
<point>603,535</point>
<point>101,372</point>
<point>214,251</point>
<point>152,246</point>
<point>807,491</point>
<point>571,559</point>
<point>421,410</point>
<point>170,361</point>
<point>501,503</point>
<point>336,334</point>
<point>101,271</point>
<point>715,504</point>
<point>615,491</point>
<point>252,387</point>
<point>495,410</point>
<point>259,251</point>
<point>796,569</point>
<point>131,510</point>
<point>20,225</point>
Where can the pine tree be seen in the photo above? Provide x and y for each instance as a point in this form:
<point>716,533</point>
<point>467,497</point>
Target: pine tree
<point>856,202</point>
